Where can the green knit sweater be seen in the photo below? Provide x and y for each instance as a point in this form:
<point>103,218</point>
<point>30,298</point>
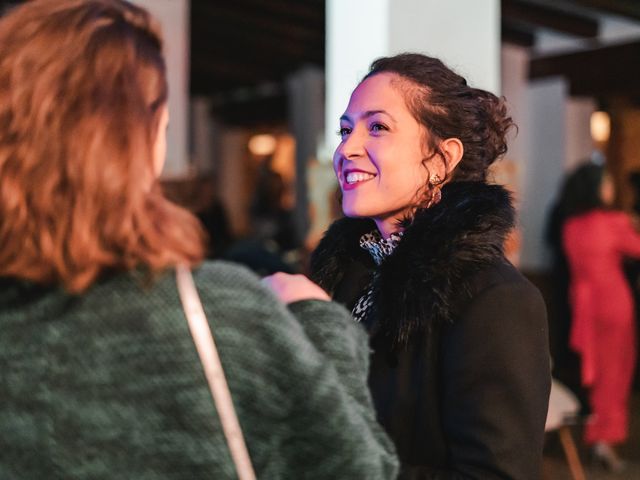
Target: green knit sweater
<point>109,385</point>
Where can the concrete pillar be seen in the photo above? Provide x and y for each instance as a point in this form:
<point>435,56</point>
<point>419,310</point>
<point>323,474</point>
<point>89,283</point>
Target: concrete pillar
<point>553,138</point>
<point>543,169</point>
<point>538,150</point>
<point>204,136</point>
<point>305,90</point>
<point>465,34</point>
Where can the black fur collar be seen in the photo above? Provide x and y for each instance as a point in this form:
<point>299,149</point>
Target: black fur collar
<point>443,246</point>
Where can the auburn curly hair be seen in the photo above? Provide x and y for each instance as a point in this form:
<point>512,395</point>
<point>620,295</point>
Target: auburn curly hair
<point>82,87</point>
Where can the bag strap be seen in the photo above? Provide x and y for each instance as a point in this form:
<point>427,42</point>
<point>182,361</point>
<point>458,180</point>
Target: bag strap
<point>210,360</point>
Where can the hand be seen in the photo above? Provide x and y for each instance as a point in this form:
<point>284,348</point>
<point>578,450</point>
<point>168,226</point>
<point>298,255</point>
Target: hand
<point>292,288</point>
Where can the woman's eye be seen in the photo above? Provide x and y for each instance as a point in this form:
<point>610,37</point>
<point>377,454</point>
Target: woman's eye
<point>378,127</point>
<point>344,131</point>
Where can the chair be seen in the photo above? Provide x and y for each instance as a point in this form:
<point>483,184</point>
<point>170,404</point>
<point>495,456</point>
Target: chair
<point>563,409</point>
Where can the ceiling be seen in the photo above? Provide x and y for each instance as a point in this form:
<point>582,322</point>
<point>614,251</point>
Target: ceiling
<point>597,42</point>
<point>243,50</point>
<point>246,43</point>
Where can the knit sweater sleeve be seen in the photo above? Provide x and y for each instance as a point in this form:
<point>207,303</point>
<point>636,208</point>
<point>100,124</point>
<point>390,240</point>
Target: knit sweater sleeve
<point>301,397</point>
<point>341,340</point>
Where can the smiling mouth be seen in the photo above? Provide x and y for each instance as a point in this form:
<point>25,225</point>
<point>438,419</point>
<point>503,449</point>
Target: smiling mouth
<point>351,178</point>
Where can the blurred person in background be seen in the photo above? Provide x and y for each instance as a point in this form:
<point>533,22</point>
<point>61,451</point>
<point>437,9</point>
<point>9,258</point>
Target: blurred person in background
<point>213,216</point>
<point>272,235</point>
<point>566,361</point>
<point>596,240</point>
<point>460,360</point>
<point>100,375</point>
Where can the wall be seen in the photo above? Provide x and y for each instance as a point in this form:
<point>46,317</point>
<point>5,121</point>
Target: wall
<point>553,137</point>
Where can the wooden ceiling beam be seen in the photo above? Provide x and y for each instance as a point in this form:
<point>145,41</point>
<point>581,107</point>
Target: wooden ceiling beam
<point>551,18</point>
<point>516,35</point>
<point>259,112</point>
<point>252,21</point>
<point>603,71</point>
<point>254,46</point>
<point>307,12</point>
<point>627,8</point>
<point>216,76</point>
<point>259,48</point>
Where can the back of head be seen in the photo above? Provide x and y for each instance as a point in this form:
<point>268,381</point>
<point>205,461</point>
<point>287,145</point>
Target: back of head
<point>580,192</point>
<point>447,107</point>
<point>82,87</point>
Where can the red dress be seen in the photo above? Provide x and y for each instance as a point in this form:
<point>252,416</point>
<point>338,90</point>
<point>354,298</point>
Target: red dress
<point>603,323</point>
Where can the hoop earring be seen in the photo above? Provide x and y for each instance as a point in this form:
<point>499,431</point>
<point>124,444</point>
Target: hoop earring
<point>436,190</point>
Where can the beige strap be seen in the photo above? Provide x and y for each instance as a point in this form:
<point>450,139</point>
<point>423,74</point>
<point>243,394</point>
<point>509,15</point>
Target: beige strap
<point>208,353</point>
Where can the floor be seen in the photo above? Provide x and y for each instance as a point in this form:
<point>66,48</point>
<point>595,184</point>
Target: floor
<point>555,465</point>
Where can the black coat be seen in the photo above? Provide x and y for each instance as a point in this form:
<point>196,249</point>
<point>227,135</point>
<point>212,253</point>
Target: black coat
<point>460,371</point>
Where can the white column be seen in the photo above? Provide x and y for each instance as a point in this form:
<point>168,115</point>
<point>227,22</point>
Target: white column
<point>544,170</point>
<point>553,137</point>
<point>538,150</point>
<point>204,135</point>
<point>173,16</point>
<point>305,90</point>
<point>465,34</point>
<point>357,32</point>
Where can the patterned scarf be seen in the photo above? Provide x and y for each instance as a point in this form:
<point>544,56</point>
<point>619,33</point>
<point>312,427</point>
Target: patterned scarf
<point>379,248</point>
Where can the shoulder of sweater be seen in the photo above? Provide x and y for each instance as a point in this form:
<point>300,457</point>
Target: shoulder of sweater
<point>229,289</point>
<point>227,274</point>
<point>213,280</point>
<point>233,292</point>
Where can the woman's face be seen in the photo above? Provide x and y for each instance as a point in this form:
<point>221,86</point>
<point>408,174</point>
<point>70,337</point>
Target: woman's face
<point>379,160</point>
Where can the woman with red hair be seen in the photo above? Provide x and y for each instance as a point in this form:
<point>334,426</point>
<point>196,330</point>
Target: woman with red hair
<point>100,375</point>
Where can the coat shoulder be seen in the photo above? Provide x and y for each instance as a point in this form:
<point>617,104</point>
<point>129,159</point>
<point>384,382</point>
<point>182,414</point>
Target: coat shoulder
<point>499,278</point>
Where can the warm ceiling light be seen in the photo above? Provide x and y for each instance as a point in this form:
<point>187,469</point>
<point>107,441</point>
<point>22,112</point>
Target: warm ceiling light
<point>600,126</point>
<point>262,145</point>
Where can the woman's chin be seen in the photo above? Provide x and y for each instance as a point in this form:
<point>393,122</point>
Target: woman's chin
<point>353,213</point>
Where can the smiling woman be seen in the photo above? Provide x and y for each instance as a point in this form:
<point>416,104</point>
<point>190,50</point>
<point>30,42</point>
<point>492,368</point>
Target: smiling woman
<point>460,370</point>
<point>380,162</point>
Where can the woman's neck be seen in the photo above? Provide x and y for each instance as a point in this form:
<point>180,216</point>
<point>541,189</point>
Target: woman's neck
<point>387,227</point>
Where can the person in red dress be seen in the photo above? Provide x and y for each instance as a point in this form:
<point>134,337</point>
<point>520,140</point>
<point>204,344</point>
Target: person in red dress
<point>596,239</point>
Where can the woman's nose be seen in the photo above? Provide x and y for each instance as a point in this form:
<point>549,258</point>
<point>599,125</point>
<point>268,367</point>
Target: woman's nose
<point>353,144</point>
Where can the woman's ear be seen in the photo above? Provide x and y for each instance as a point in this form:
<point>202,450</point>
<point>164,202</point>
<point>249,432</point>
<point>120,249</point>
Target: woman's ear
<point>453,150</point>
<point>160,144</point>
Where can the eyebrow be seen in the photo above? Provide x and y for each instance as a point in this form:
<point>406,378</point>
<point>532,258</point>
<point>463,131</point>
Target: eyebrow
<point>369,113</point>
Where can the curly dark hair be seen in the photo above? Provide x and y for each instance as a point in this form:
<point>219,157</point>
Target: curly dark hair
<point>447,107</point>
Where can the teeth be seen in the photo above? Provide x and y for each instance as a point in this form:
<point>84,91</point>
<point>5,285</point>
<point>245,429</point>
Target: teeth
<point>354,177</point>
